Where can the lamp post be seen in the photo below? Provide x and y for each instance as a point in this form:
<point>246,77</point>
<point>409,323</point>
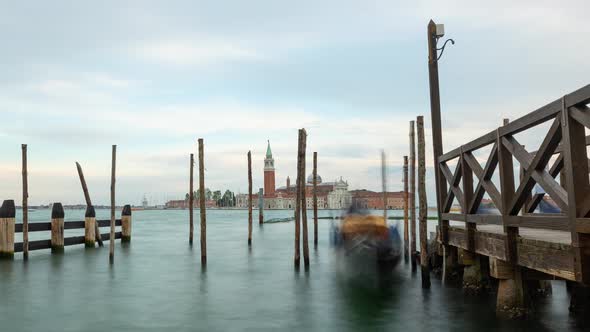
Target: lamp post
<point>435,32</point>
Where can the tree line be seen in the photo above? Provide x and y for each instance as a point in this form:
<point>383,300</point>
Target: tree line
<point>228,199</point>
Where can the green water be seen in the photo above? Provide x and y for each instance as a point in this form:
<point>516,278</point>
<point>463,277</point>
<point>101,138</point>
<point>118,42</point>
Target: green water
<point>157,284</point>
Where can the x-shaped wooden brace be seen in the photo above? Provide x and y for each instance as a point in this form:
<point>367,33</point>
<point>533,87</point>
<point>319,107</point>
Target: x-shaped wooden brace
<point>454,190</point>
<point>535,168</point>
<point>485,183</point>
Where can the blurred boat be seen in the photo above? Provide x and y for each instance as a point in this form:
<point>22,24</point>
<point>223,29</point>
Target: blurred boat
<point>367,242</point>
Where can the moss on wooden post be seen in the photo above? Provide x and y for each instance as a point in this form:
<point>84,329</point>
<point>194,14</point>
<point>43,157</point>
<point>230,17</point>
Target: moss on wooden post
<point>126,224</point>
<point>89,227</point>
<point>57,228</point>
<point>7,219</point>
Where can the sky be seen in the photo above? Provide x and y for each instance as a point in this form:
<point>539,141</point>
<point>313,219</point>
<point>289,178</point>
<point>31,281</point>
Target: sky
<point>154,76</point>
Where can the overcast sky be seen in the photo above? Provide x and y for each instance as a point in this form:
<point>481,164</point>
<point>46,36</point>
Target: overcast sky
<point>152,77</point>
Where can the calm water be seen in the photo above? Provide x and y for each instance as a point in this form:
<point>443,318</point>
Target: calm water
<point>157,284</point>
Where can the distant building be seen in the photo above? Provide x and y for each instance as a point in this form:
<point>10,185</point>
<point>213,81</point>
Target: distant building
<point>366,199</point>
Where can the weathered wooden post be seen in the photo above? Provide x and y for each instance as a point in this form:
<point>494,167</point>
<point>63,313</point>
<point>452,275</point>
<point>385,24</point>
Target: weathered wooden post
<point>202,206</point>
<point>7,220</point>
<point>88,202</point>
<point>191,197</point>
<point>304,201</point>
<point>423,203</point>
<point>25,204</point>
<point>384,184</point>
<point>412,199</point>
<point>299,181</point>
<point>406,237</point>
<point>249,198</point>
<point>57,228</point>
<point>89,227</point>
<point>315,199</point>
<point>260,206</point>
<point>126,222</point>
<point>112,235</point>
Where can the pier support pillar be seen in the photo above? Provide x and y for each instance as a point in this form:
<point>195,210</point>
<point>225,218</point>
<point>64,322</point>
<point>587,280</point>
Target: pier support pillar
<point>579,299</point>
<point>89,226</point>
<point>476,276</point>
<point>513,297</point>
<point>7,219</point>
<point>451,268</point>
<point>126,224</point>
<point>57,228</point>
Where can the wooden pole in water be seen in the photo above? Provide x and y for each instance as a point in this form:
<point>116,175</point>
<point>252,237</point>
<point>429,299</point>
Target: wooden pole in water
<point>315,199</point>
<point>406,237</point>
<point>412,199</point>
<point>7,220</point>
<point>298,203</point>
<point>260,206</point>
<point>384,184</point>
<point>112,235</point>
<point>304,202</point>
<point>423,203</point>
<point>191,197</point>
<point>57,228</point>
<point>202,206</point>
<point>25,204</point>
<point>89,226</point>
<point>249,198</point>
<point>88,202</point>
<point>126,224</point>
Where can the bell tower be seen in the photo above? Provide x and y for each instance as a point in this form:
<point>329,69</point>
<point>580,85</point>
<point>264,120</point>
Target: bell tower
<point>269,173</point>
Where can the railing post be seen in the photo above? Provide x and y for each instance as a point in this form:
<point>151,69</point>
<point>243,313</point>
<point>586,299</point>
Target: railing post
<point>575,170</point>
<point>126,224</point>
<point>7,220</point>
<point>467,176</point>
<point>57,228</point>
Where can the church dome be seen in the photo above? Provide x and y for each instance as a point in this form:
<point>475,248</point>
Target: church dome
<point>310,179</point>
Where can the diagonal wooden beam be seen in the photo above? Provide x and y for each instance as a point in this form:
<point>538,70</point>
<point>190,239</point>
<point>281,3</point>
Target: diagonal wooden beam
<point>581,114</point>
<point>553,171</point>
<point>484,176</point>
<point>453,180</point>
<point>542,177</point>
<point>538,162</point>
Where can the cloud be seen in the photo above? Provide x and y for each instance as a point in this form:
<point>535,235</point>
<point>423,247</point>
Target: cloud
<point>195,52</point>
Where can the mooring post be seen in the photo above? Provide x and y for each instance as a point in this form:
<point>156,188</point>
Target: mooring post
<point>412,199</point>
<point>88,202</point>
<point>7,220</point>
<point>384,184</point>
<point>406,235</point>
<point>304,202</point>
<point>260,206</point>
<point>112,235</point>
<point>423,203</point>
<point>298,202</point>
<point>191,197</point>
<point>437,144</point>
<point>126,224</point>
<point>249,198</point>
<point>315,199</point>
<point>202,207</point>
<point>25,204</point>
<point>57,228</point>
<point>89,227</point>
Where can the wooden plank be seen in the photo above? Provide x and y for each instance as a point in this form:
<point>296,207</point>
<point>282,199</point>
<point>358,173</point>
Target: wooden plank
<point>553,260</point>
<point>558,223</point>
<point>412,199</point>
<point>583,225</point>
<point>485,219</point>
<point>491,245</point>
<point>457,237</point>
<point>46,226</point>
<point>501,269</point>
<point>454,216</point>
<point>68,241</point>
<point>484,176</point>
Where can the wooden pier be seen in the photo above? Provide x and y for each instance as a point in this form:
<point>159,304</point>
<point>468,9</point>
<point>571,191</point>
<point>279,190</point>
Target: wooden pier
<point>519,241</point>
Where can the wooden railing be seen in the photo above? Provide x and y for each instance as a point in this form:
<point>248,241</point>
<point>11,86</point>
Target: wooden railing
<point>565,139</point>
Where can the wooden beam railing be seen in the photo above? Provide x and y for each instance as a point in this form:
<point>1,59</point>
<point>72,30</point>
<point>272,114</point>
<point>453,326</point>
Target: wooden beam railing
<point>565,138</point>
